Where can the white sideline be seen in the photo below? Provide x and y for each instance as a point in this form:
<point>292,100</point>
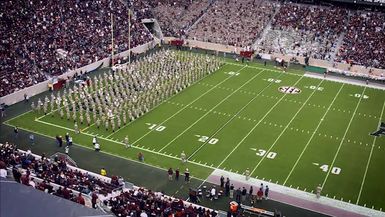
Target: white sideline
<point>370,157</point>
<point>346,81</point>
<point>300,194</point>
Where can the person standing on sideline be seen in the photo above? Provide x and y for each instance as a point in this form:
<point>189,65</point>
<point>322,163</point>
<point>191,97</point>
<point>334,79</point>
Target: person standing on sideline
<point>259,194</point>
<point>251,191</point>
<point>318,191</point>
<point>67,138</point>
<point>252,198</point>
<point>94,140</point>
<point>126,142</point>
<point>267,192</point>
<point>97,146</point>
<point>186,175</point>
<point>67,149</point>
<point>70,141</point>
<point>103,172</point>
<point>16,131</point>
<point>76,128</point>
<point>243,195</point>
<point>227,187</point>
<point>32,139</point>
<point>183,157</point>
<point>247,174</point>
<point>238,193</point>
<point>222,180</point>
<point>177,174</point>
<point>170,172</point>
<point>232,191</point>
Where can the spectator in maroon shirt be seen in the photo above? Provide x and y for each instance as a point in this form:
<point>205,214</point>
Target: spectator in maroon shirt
<point>80,199</point>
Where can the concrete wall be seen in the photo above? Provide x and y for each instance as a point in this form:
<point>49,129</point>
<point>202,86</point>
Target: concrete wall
<point>43,86</point>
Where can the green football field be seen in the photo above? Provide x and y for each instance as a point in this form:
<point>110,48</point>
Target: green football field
<point>285,127</point>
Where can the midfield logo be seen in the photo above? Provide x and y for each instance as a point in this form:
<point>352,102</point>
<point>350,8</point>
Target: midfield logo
<point>380,131</point>
<point>289,90</point>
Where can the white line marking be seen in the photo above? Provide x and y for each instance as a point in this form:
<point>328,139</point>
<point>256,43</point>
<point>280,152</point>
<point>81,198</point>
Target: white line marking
<point>212,109</point>
<point>312,136</point>
<point>256,125</point>
<point>342,140</point>
<point>287,126</point>
<point>370,157</point>
<point>188,105</point>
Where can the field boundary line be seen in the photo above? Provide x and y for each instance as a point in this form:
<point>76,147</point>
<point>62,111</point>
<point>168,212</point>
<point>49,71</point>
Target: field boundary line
<point>104,152</point>
<point>342,140</point>
<point>287,126</point>
<point>260,68</point>
<point>257,124</point>
<point>151,130</point>
<point>313,134</point>
<point>208,112</point>
<point>232,118</point>
<point>17,116</point>
<point>370,157</point>
<point>120,143</point>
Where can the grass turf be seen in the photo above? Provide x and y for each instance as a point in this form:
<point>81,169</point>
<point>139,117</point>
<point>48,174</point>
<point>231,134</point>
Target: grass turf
<point>239,120</point>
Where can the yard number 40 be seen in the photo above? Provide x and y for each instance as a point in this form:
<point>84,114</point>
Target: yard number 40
<point>335,170</point>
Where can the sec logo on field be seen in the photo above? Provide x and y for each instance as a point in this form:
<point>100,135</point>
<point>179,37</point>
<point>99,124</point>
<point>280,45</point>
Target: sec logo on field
<point>290,90</point>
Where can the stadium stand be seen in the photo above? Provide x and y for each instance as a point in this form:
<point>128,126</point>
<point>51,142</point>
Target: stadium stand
<point>177,17</point>
<point>364,43</point>
<point>303,30</point>
<point>80,186</point>
<point>42,38</point>
<point>233,22</point>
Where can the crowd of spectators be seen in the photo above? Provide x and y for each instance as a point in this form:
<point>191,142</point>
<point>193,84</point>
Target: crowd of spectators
<point>26,169</point>
<point>142,202</point>
<point>364,42</point>
<point>44,38</point>
<point>304,30</point>
<point>233,22</point>
<point>175,17</point>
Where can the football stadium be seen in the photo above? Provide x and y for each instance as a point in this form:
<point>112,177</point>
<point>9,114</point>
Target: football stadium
<point>192,108</point>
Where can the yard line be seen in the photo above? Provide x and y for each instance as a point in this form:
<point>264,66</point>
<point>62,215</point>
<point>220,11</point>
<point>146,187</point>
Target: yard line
<point>232,118</point>
<point>197,82</point>
<point>186,106</point>
<point>104,152</point>
<point>370,157</point>
<point>88,127</point>
<point>342,140</point>
<point>287,126</point>
<point>224,99</point>
<point>113,141</point>
<point>313,134</point>
<point>257,124</point>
